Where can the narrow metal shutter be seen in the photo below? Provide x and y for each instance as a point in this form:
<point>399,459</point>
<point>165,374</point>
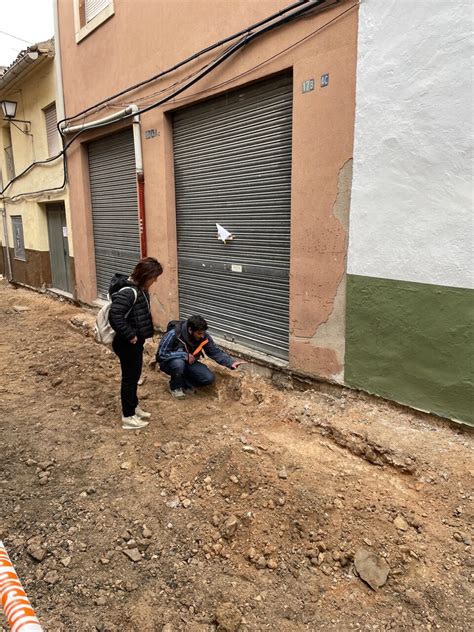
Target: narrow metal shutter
<point>52,130</point>
<point>114,207</point>
<point>233,166</point>
<point>18,238</point>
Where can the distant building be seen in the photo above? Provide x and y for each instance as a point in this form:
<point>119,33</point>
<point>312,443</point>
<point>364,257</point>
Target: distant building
<point>35,235</point>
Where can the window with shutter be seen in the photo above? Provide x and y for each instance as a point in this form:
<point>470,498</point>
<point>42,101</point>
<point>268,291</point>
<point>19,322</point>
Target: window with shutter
<point>54,145</point>
<point>90,14</point>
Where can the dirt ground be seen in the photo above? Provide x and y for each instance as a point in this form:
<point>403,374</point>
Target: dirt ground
<point>249,506</point>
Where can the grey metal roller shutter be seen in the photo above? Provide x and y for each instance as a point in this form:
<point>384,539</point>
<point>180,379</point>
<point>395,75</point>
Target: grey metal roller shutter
<point>233,166</point>
<point>114,207</point>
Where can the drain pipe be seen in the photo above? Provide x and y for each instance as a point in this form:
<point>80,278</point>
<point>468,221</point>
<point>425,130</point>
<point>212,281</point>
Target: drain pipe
<point>58,65</point>
<point>137,144</point>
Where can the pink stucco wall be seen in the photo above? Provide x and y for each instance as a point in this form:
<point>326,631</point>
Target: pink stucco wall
<point>142,38</point>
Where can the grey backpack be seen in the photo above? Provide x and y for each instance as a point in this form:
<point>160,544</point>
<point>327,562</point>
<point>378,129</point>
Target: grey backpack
<point>103,331</point>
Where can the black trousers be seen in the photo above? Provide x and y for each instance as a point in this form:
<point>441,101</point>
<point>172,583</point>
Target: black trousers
<point>131,361</point>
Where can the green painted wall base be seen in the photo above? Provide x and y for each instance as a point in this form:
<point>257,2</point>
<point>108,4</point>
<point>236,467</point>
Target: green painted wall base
<point>412,343</point>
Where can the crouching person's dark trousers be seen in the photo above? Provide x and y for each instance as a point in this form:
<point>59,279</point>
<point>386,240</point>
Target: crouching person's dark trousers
<point>184,375</point>
<point>131,360</point>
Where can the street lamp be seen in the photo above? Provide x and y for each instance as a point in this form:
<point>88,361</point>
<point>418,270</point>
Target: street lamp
<point>9,111</point>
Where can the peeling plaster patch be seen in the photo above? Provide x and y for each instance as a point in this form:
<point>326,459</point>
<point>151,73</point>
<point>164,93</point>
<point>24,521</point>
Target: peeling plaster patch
<point>329,340</point>
<point>330,335</point>
<point>343,197</point>
<point>318,361</point>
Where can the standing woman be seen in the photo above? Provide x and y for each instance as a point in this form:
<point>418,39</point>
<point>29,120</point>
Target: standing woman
<point>130,317</point>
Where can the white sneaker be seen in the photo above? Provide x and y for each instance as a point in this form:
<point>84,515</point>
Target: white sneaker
<point>133,423</point>
<point>178,393</point>
<point>141,413</point>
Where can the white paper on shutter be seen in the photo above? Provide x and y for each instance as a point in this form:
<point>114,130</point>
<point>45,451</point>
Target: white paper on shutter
<point>52,130</point>
<point>94,7</point>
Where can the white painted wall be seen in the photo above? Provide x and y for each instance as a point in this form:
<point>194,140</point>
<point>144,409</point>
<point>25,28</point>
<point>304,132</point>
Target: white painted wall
<point>411,211</point>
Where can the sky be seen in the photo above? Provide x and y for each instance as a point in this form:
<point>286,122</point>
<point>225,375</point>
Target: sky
<point>30,20</point>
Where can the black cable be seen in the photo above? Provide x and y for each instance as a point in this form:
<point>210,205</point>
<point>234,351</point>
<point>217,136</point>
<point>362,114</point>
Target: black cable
<point>68,144</point>
<point>63,153</point>
<point>198,75</point>
<point>228,52</point>
<point>192,58</point>
<point>15,37</point>
<point>32,193</point>
<point>35,164</point>
<point>219,60</point>
<point>167,88</point>
<point>262,63</point>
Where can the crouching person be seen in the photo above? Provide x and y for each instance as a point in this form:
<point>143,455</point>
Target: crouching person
<point>180,350</point>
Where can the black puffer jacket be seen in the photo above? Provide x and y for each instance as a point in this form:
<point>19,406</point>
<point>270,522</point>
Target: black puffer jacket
<point>138,322</point>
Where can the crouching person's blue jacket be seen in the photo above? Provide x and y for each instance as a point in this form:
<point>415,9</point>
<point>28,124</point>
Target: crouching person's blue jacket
<point>177,344</point>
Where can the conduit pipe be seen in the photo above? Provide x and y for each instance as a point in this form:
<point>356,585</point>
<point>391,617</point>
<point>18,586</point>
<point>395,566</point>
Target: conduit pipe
<point>130,110</point>
<point>58,65</point>
<point>116,116</point>
<point>137,144</point>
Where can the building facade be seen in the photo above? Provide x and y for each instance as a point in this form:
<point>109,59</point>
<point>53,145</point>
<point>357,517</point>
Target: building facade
<point>36,241</point>
<point>254,136</point>
<point>259,145</point>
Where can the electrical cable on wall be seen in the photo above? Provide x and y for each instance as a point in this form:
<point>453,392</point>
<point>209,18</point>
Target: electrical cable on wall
<point>305,7</point>
<point>249,70</point>
<point>193,78</point>
<point>205,70</point>
<point>104,102</point>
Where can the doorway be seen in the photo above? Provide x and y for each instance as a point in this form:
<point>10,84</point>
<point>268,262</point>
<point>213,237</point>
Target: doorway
<point>59,247</point>
<point>232,159</point>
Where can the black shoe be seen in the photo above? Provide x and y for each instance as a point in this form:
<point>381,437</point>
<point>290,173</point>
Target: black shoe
<point>177,393</point>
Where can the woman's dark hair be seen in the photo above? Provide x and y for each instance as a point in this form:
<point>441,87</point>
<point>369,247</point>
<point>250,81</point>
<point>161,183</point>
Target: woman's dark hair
<point>197,323</point>
<point>146,269</point>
